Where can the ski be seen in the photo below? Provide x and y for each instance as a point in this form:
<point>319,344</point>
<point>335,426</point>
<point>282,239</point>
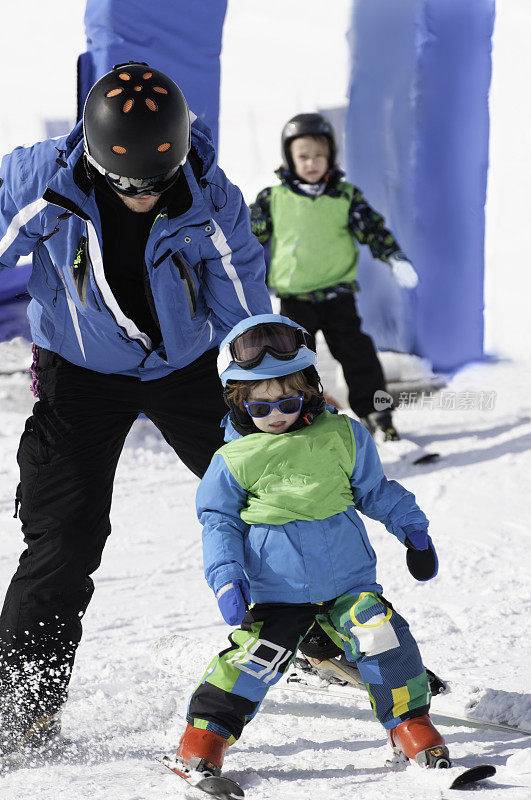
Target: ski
<point>393,450</point>
<point>473,775</point>
<point>404,449</point>
<point>297,681</point>
<point>352,691</point>
<point>222,788</point>
<point>340,672</point>
<point>217,786</point>
<point>437,758</point>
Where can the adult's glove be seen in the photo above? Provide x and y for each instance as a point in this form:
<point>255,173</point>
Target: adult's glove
<point>233,599</point>
<point>421,557</point>
<point>403,271</point>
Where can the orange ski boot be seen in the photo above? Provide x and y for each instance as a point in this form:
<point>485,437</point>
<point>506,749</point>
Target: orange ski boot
<point>201,751</point>
<point>419,740</point>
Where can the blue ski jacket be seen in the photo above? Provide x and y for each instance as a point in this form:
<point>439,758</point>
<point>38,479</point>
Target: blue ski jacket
<point>206,269</point>
<point>301,561</point>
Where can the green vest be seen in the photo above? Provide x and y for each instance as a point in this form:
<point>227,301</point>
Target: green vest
<point>311,246</point>
<point>301,475</point>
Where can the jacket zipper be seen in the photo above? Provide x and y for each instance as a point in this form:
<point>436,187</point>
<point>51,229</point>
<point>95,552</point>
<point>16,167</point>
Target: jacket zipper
<point>79,270</point>
<point>188,281</point>
<point>63,202</point>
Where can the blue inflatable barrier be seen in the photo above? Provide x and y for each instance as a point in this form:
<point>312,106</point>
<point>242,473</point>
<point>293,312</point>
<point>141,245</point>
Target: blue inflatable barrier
<point>14,303</point>
<point>180,38</point>
<point>417,145</point>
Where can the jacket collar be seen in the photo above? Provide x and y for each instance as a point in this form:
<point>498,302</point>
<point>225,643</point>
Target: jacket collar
<point>288,179</point>
<point>71,187</point>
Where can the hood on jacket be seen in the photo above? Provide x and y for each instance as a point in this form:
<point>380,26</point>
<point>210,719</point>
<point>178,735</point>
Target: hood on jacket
<point>287,178</point>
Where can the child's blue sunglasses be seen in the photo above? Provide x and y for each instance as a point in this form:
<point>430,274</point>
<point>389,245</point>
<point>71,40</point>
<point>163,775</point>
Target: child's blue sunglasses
<point>263,408</point>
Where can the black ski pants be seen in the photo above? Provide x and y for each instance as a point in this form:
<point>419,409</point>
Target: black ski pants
<point>340,323</point>
<point>68,455</point>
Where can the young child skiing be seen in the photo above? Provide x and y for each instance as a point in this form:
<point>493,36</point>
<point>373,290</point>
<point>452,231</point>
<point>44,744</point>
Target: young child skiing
<point>313,221</point>
<point>285,548</point>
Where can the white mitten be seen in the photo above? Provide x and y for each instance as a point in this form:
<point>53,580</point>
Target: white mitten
<point>403,271</point>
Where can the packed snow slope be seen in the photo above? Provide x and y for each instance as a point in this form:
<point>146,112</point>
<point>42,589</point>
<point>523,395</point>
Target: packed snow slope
<point>471,621</point>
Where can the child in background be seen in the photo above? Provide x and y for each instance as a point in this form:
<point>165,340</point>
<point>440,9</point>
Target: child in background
<point>279,507</point>
<point>314,220</point>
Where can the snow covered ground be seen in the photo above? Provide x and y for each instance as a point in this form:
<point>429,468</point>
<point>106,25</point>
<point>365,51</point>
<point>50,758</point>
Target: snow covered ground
<point>471,621</point>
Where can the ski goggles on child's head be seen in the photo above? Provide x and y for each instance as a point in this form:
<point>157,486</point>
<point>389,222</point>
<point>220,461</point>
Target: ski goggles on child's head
<point>279,340</point>
<point>134,187</point>
<point>263,408</point>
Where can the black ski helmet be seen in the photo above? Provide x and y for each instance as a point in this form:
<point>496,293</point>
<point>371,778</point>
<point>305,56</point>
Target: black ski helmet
<point>307,125</point>
<point>136,123</point>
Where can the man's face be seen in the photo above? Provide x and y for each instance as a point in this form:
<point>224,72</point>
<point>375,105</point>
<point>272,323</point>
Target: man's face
<point>149,189</point>
<point>141,204</point>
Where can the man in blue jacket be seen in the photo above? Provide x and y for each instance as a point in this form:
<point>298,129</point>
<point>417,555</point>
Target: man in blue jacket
<point>143,260</point>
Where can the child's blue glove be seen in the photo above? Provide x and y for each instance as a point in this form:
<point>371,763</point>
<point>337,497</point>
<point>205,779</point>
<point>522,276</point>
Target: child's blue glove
<point>421,558</point>
<point>233,599</point>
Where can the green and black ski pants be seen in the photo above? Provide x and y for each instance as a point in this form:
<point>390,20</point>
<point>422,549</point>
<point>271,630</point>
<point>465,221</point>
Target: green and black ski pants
<point>370,631</point>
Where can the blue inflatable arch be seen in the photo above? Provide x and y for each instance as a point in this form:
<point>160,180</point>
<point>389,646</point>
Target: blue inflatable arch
<point>180,38</point>
<point>417,144</point>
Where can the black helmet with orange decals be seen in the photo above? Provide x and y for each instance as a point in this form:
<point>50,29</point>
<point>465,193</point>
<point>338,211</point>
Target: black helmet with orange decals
<point>136,127</point>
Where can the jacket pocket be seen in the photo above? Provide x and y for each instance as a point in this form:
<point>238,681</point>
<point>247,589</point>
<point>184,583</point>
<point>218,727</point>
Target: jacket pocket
<point>187,277</point>
<point>254,542</point>
<point>353,517</point>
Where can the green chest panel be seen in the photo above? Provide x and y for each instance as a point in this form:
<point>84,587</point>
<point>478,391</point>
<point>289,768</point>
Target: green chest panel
<point>311,246</point>
<point>301,475</point>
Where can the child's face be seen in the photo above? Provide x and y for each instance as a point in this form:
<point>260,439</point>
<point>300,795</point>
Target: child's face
<point>276,421</point>
<point>310,158</point>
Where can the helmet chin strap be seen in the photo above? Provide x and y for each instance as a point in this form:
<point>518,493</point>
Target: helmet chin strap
<point>91,161</point>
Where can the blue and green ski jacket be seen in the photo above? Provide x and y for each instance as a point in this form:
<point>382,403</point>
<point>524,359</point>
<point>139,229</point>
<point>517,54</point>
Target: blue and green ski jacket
<point>286,549</point>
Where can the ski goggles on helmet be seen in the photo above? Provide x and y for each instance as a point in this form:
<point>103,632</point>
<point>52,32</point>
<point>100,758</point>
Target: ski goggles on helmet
<point>249,348</point>
<point>263,408</point>
<point>134,187</point>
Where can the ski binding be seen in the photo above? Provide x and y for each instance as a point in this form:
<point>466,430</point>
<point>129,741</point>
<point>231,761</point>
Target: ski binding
<point>214,785</point>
